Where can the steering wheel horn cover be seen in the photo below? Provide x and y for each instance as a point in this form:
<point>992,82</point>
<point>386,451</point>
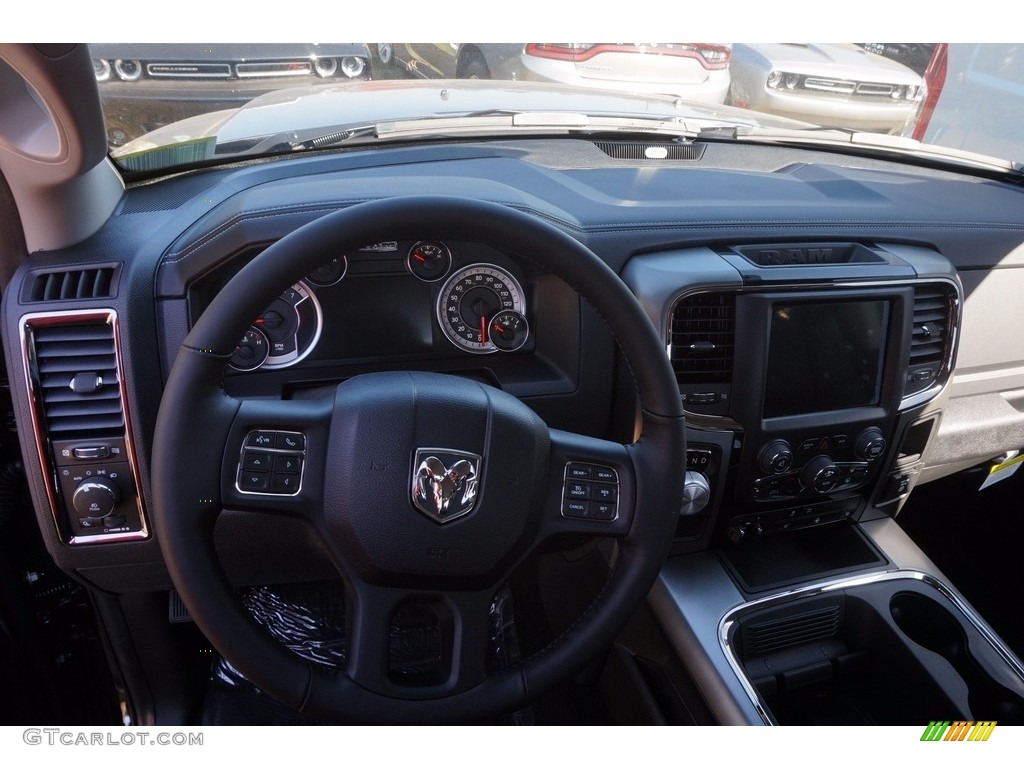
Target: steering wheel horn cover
<point>375,447</point>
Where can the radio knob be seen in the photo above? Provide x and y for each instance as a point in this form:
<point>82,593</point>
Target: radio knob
<point>870,444</point>
<point>775,457</point>
<point>820,474</point>
<point>96,497</point>
<point>696,493</point>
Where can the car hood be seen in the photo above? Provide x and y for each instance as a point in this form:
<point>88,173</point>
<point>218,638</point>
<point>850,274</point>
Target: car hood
<point>373,102</point>
<point>846,61</point>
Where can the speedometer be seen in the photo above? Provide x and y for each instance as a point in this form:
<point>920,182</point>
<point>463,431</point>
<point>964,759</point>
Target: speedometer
<point>468,301</point>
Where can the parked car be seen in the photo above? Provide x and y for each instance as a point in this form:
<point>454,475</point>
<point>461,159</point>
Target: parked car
<point>826,84</point>
<point>146,85</point>
<point>692,71</point>
<point>480,402</point>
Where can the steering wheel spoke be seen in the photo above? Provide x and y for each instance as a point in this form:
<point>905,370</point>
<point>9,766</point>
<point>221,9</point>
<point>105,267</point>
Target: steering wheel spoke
<point>418,645</point>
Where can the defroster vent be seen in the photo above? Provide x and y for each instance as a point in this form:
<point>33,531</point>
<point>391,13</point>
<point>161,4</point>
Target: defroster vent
<point>97,282</point>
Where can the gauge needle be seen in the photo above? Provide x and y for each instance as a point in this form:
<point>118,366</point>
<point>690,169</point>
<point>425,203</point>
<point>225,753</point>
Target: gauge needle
<point>483,329</point>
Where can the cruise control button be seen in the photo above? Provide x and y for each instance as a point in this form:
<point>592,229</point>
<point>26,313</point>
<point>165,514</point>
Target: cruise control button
<point>600,511</point>
<point>576,508</point>
<point>604,493</point>
<point>605,475</point>
<point>577,490</point>
<point>578,472</point>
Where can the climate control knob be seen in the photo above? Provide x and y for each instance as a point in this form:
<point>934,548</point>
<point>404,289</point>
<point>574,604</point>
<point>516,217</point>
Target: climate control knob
<point>775,457</point>
<point>696,493</point>
<point>870,444</point>
<point>96,497</point>
<point>820,474</point>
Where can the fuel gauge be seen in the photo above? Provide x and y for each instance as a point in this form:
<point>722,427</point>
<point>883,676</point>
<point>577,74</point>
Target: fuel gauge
<point>252,351</point>
<point>508,330</point>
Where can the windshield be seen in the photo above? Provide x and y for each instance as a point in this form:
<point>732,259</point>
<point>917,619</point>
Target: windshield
<point>169,105</point>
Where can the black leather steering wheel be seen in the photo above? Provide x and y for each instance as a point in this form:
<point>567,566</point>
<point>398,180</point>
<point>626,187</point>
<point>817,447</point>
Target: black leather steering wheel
<point>383,436</point>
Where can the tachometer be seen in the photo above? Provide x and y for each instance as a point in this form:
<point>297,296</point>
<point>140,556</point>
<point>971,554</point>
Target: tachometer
<point>289,328</point>
<point>470,299</point>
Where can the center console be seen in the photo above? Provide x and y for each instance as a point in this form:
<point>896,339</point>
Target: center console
<point>813,376</point>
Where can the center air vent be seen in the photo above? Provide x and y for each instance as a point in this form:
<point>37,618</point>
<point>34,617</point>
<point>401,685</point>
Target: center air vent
<point>703,326</point>
<point>701,349</point>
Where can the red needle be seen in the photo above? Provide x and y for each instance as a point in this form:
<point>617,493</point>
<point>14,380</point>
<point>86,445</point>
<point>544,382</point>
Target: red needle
<point>483,329</point>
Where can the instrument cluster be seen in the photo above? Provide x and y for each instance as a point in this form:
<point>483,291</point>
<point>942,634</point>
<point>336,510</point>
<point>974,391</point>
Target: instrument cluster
<point>392,298</point>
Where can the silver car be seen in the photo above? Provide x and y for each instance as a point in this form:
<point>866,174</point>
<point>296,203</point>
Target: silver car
<point>690,71</point>
<point>829,85</point>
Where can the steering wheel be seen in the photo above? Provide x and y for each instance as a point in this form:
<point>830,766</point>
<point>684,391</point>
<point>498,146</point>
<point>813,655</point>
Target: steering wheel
<point>420,486</point>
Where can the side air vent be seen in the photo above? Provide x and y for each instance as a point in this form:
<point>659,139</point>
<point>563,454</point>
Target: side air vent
<point>773,636</point>
<point>701,350</point>
<point>77,377</point>
<point>82,425</point>
<point>640,150</point>
<point>71,284</point>
<point>931,337</point>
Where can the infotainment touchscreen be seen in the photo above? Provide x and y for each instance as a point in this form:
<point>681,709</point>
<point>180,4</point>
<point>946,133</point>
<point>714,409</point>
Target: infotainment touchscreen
<point>825,356</point>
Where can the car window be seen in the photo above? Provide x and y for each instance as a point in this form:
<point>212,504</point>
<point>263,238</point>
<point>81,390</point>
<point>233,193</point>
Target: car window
<point>173,104</point>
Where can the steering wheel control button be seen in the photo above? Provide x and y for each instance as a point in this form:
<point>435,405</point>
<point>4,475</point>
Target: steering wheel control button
<point>291,441</point>
<point>276,467</point>
<point>253,482</point>
<point>261,439</point>
<point>259,461</point>
<point>596,499</point>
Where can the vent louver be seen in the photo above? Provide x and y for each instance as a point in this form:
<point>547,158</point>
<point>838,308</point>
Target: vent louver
<point>72,284</point>
<point>77,377</point>
<point>772,636</point>
<point>931,325</point>
<point>702,335</point>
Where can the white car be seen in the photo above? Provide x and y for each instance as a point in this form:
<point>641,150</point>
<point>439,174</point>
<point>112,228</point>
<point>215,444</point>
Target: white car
<point>826,84</point>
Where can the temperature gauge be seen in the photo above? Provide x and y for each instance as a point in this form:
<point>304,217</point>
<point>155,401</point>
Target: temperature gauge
<point>508,330</point>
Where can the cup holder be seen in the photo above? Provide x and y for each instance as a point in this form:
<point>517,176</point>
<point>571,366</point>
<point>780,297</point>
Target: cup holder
<point>932,626</point>
<point>892,650</point>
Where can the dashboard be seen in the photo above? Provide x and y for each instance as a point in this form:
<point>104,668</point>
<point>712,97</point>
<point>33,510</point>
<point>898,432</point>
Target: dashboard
<point>811,305</point>
<point>833,323</point>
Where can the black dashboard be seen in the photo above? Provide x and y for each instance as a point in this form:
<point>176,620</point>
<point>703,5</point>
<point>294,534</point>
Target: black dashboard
<point>811,304</point>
